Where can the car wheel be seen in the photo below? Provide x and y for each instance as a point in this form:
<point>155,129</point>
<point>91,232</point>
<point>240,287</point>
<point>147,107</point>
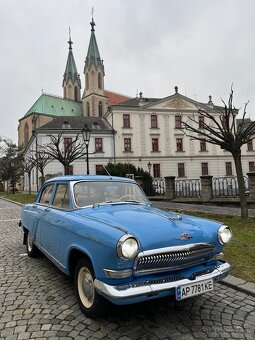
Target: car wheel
<point>91,303</point>
<point>32,250</point>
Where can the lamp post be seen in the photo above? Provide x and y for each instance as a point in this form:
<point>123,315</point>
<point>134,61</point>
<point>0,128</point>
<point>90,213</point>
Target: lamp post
<point>86,137</point>
<point>149,167</point>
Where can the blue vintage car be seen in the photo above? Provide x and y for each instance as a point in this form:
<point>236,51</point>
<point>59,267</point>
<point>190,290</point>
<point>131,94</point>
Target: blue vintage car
<point>105,233</point>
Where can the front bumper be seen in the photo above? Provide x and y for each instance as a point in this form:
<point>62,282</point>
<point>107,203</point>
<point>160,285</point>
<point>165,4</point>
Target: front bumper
<point>128,292</point>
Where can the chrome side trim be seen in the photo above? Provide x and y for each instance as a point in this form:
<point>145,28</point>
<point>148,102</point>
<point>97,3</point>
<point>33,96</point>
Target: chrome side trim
<point>52,258</point>
<point>129,291</point>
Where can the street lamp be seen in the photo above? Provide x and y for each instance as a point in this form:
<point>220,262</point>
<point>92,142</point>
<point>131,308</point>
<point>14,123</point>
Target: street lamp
<point>149,167</point>
<point>86,137</point>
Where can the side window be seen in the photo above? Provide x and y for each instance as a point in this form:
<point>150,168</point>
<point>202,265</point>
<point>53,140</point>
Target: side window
<point>62,198</point>
<point>46,194</point>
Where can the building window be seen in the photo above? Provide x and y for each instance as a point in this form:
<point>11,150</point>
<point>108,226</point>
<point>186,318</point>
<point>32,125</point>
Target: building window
<point>126,121</point>
<point>181,170</point>
<point>229,169</point>
<point>68,144</point>
<point>100,170</point>
<point>156,170</point>
<point>127,144</point>
<point>178,122</point>
<point>100,109</point>
<point>204,167</point>
<point>179,144</point>
<point>203,145</point>
<point>251,166</point>
<point>98,144</point>
<point>154,121</point>
<point>26,133</point>
<point>87,81</point>
<point>201,122</point>
<point>88,109</point>
<point>69,170</point>
<point>250,145</point>
<point>99,80</point>
<point>76,98</point>
<point>155,146</point>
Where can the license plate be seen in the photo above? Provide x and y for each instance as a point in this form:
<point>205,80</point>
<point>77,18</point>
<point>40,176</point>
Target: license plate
<point>193,289</point>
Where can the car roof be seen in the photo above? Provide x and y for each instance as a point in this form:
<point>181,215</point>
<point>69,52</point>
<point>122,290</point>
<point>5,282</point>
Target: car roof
<point>88,178</point>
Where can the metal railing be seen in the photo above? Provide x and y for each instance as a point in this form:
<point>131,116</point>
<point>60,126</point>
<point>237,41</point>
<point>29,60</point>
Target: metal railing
<point>227,186</point>
<point>159,186</point>
<point>188,188</point>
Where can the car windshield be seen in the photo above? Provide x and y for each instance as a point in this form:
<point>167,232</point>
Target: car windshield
<point>90,193</point>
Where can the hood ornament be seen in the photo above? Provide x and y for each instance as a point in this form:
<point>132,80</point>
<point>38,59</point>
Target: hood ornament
<point>184,237</point>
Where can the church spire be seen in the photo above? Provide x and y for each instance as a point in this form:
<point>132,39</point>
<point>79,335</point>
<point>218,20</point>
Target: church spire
<point>94,99</point>
<point>71,81</point>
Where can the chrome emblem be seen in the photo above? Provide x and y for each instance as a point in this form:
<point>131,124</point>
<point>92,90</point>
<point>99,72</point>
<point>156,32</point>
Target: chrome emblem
<point>184,237</point>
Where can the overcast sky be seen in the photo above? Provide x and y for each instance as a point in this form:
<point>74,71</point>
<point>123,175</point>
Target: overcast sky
<point>202,46</point>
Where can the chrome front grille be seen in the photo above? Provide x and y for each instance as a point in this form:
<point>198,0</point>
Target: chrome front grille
<point>172,258</point>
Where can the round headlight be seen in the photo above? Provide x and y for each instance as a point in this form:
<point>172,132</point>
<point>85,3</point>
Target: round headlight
<point>127,247</point>
<point>224,234</point>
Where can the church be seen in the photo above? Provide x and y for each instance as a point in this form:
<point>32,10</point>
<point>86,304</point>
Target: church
<point>142,131</point>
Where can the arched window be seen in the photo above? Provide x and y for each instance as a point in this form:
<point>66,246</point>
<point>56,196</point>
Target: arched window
<point>69,91</point>
<point>99,81</point>
<point>76,94</point>
<point>26,133</point>
<point>87,81</point>
<point>88,109</point>
<point>100,109</point>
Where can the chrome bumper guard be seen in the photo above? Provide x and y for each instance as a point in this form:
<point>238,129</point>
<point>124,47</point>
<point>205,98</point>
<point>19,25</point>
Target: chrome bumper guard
<point>126,291</point>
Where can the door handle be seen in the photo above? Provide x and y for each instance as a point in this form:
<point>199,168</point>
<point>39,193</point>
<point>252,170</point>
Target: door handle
<point>47,209</point>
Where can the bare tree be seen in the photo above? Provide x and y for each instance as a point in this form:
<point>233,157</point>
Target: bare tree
<point>64,153</point>
<point>41,159</point>
<point>27,166</point>
<point>225,131</point>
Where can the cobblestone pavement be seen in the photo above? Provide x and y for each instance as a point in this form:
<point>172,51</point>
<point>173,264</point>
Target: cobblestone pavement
<point>37,302</point>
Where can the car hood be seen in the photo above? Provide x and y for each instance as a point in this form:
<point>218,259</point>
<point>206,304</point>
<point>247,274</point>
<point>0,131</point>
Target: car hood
<point>153,227</point>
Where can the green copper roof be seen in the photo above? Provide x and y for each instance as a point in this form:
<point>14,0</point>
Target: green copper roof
<point>55,106</point>
<point>93,55</point>
<point>71,70</point>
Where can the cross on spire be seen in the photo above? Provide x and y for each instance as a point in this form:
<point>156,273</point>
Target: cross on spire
<point>92,22</point>
<point>70,41</point>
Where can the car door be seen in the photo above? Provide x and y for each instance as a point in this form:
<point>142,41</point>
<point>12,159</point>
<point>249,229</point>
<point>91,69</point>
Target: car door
<point>52,221</point>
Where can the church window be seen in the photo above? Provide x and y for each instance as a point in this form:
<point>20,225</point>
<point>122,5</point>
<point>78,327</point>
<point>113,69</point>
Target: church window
<point>87,81</point>
<point>26,133</point>
<point>76,94</point>
<point>99,80</point>
<point>100,109</point>
<point>88,109</point>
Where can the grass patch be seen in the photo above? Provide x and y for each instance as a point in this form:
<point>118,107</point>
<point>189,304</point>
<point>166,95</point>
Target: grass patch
<point>240,252</point>
<point>19,197</point>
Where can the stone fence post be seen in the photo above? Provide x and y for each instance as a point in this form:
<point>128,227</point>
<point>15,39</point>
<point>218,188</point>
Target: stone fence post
<point>170,187</point>
<point>206,184</point>
<point>251,181</point>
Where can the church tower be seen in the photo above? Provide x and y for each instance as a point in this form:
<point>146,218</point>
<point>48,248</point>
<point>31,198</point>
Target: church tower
<point>71,82</point>
<point>93,99</point>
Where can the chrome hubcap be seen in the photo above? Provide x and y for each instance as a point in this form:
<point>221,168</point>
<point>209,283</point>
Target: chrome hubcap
<point>86,287</point>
